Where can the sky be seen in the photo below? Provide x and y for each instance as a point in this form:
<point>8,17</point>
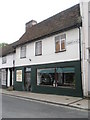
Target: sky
<point>14,14</point>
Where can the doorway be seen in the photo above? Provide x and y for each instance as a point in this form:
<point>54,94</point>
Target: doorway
<point>27,80</point>
<point>10,77</point>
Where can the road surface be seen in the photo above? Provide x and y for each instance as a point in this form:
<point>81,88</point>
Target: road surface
<point>13,107</point>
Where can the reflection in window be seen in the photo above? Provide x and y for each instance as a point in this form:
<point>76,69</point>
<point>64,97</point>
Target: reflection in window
<point>56,77</point>
<point>66,77</point>
<point>45,76</point>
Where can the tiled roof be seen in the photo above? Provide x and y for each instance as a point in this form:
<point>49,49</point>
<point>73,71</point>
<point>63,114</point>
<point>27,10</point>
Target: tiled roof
<point>60,22</point>
<point>7,49</point>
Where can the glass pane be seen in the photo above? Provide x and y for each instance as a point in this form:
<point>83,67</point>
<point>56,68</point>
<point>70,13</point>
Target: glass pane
<point>46,76</point>
<point>23,52</point>
<point>65,77</point>
<point>63,45</point>
<point>3,60</point>
<point>57,46</point>
<point>38,48</point>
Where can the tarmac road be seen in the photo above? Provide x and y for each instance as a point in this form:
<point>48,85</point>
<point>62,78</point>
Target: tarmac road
<point>13,107</point>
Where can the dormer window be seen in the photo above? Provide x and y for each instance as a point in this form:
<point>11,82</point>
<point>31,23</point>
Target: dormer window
<point>23,52</point>
<point>4,60</point>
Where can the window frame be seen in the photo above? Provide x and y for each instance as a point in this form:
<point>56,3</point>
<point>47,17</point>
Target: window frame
<point>60,39</point>
<point>4,60</point>
<point>36,53</point>
<point>21,50</point>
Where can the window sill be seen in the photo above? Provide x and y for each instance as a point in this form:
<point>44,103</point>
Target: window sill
<point>62,87</point>
<point>38,55</point>
<point>22,57</point>
<point>60,51</point>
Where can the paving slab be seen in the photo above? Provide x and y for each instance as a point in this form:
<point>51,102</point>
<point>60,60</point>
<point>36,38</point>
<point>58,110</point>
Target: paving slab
<point>83,104</point>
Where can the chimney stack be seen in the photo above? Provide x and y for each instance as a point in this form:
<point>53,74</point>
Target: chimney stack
<point>30,24</point>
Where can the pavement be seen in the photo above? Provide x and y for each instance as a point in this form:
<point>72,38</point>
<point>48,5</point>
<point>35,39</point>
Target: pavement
<point>76,102</point>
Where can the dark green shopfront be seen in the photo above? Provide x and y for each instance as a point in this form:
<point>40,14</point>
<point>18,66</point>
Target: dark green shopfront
<point>55,78</point>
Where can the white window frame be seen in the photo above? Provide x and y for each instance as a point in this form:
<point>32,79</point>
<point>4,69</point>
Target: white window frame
<point>60,39</point>
<point>37,47</point>
<point>4,60</point>
<point>23,52</point>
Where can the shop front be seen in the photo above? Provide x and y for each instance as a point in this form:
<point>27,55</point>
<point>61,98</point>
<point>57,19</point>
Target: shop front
<point>55,78</point>
<point>4,74</point>
<point>22,79</point>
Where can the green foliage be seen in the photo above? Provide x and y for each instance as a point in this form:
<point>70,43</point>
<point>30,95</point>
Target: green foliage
<point>3,44</point>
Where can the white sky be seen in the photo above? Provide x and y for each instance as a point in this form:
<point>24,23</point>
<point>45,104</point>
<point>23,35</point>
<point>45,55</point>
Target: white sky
<point>15,13</point>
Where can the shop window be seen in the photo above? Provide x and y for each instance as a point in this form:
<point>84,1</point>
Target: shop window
<point>60,43</point>
<point>38,48</point>
<point>4,60</point>
<point>3,76</point>
<point>66,77</point>
<point>56,77</point>
<point>23,52</point>
<point>45,76</point>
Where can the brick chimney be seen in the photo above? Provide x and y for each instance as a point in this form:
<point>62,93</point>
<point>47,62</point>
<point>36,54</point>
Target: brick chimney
<point>30,24</point>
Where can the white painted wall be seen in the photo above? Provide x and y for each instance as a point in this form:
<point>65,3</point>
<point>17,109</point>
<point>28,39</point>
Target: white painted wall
<point>0,62</point>
<point>8,64</point>
<point>89,47</point>
<point>48,51</point>
<point>9,61</point>
<point>85,6</point>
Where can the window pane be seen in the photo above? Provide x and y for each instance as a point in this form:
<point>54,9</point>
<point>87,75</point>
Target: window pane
<point>38,47</point>
<point>56,77</point>
<point>3,60</point>
<point>60,42</point>
<point>65,77</point>
<point>63,45</point>
<point>63,36</point>
<point>57,46</point>
<point>46,77</point>
<point>3,76</point>
<point>23,52</point>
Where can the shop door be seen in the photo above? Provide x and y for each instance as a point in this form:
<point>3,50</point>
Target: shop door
<point>27,81</point>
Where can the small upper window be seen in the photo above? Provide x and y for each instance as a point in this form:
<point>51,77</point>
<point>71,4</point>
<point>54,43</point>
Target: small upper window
<point>4,60</point>
<point>60,43</point>
<point>23,52</point>
<point>38,48</point>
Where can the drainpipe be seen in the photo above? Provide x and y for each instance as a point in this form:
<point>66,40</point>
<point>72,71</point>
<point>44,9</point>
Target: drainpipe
<point>80,56</point>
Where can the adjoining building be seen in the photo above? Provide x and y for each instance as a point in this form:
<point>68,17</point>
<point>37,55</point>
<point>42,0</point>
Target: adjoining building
<point>7,64</point>
<point>53,56</point>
